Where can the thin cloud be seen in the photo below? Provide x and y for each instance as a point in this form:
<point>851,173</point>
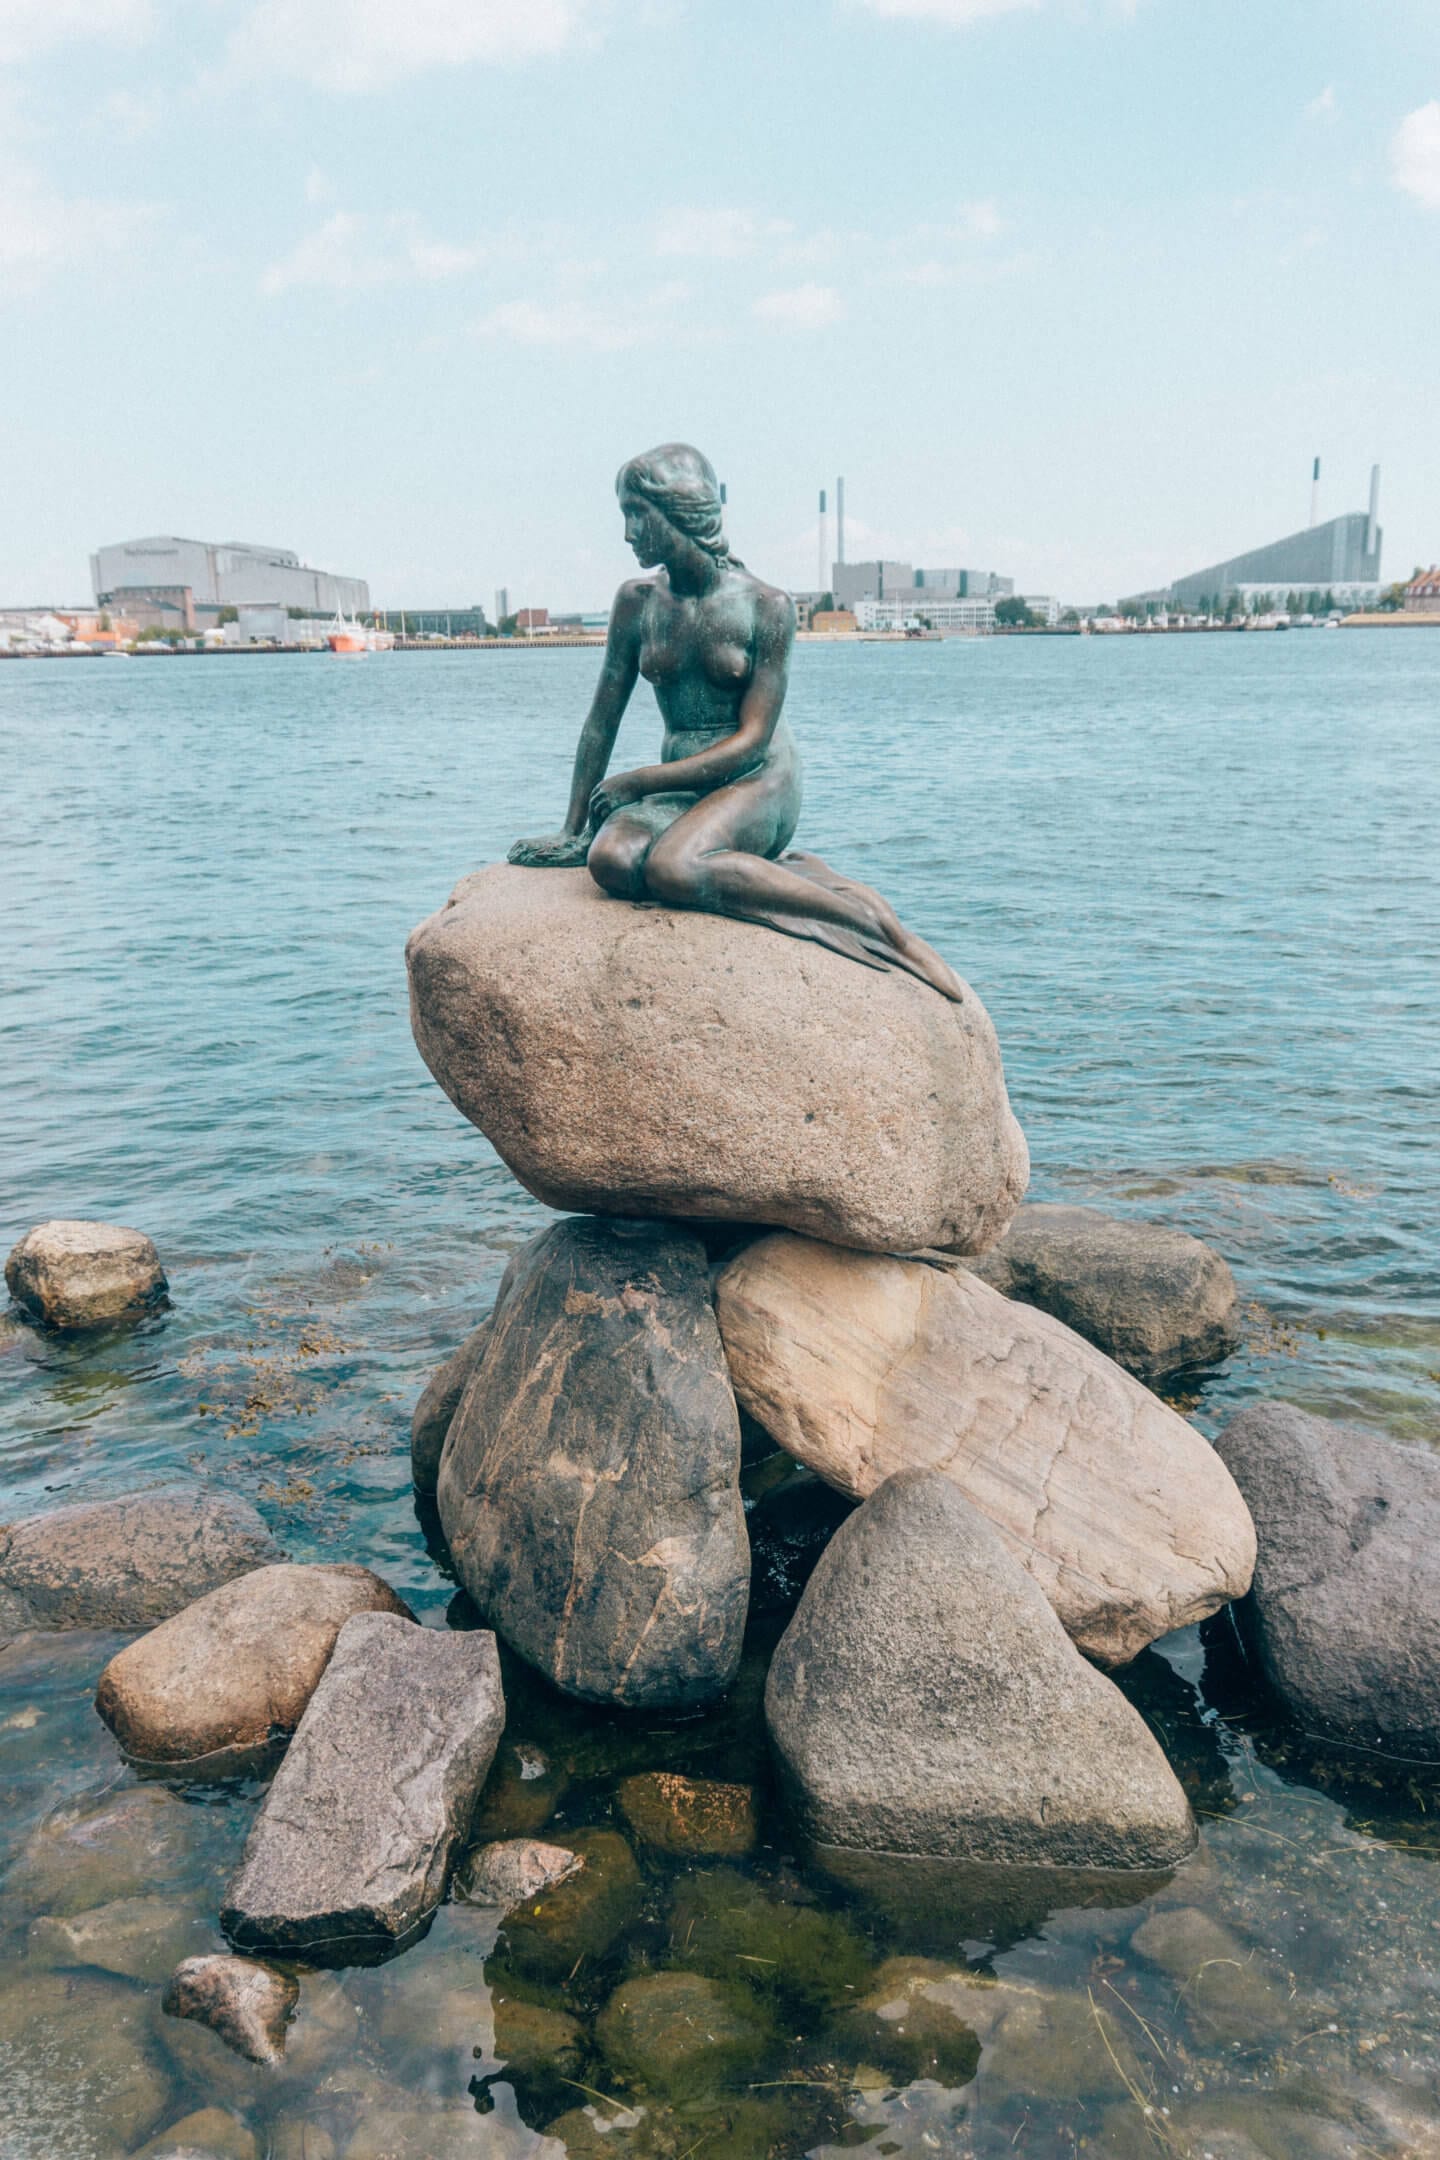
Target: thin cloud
<point>362,45</point>
<point>1415,155</point>
<point>349,253</point>
<point>562,322</point>
<point>1325,106</point>
<point>801,307</point>
<point>42,232</point>
<point>955,13</point>
<point>35,26</point>
<point>716,235</point>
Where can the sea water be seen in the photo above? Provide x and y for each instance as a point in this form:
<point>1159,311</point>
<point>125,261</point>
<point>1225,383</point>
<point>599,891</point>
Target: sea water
<point>1195,882</point>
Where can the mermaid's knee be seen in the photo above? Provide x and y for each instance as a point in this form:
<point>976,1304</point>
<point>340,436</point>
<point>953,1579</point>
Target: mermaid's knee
<point>672,873</point>
<point>617,863</point>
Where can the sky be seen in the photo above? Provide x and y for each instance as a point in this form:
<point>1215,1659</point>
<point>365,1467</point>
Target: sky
<point>1074,290</point>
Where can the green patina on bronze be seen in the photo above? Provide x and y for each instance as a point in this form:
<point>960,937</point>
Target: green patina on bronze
<point>710,826</point>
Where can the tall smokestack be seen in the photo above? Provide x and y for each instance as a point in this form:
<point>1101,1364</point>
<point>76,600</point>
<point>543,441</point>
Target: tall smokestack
<point>822,554</point>
<point>840,521</point>
<point>1315,494</point>
<point>1372,530</point>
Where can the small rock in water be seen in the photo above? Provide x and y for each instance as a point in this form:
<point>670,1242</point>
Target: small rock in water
<point>689,1815</point>
<point>579,1916</point>
<point>925,1699</point>
<point>652,1061</point>
<point>861,1365</point>
<point>84,1274</point>
<point>351,1852</point>
<point>590,1486</point>
<point>1155,1299</point>
<point>513,1871</point>
<point>232,1673</point>
<point>248,2004</point>
<point>1228,1991</point>
<point>435,1411</point>
<point>1344,1614</point>
<point>127,1563</point>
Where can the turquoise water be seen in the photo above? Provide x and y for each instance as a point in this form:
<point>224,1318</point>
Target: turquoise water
<point>1195,881</point>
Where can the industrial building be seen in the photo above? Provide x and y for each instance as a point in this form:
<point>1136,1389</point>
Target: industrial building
<point>1340,557</point>
<point>917,592</point>
<point>184,583</point>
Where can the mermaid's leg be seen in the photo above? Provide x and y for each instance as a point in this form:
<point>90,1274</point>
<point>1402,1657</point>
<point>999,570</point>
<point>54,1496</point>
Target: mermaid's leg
<point>710,858</point>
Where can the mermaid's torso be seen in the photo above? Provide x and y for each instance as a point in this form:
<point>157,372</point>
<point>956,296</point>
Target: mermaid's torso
<point>697,655</point>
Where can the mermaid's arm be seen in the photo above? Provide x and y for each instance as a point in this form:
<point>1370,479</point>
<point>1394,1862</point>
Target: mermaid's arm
<point>597,737</point>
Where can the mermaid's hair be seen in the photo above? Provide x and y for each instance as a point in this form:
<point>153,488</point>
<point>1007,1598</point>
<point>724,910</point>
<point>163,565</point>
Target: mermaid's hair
<point>682,486</point>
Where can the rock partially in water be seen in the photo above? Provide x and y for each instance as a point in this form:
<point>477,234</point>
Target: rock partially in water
<point>579,1917</point>
<point>126,1563</point>
<point>925,1699</point>
<point>435,1411</point>
<point>84,1274</point>
<point>514,1871</point>
<point>88,1853</point>
<point>782,1084</point>
<point>248,2004</point>
<point>140,1938</point>
<point>589,1490</point>
<point>211,2133</point>
<point>1155,1299</point>
<point>1228,1990</point>
<point>1344,1615</point>
<point>230,1675</point>
<point>681,2032</point>
<point>691,1817</point>
<point>82,2055</point>
<point>351,1852</point>
<point>860,1366</point>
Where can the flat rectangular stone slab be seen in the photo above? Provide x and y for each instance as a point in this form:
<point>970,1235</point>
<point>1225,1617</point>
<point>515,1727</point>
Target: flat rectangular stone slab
<point>351,1852</point>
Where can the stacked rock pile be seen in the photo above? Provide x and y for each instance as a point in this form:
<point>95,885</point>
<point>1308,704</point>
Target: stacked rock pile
<point>791,1167</point>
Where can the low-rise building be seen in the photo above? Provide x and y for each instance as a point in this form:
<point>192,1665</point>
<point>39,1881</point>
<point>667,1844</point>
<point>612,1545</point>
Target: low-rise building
<point>1422,594</point>
<point>973,617</point>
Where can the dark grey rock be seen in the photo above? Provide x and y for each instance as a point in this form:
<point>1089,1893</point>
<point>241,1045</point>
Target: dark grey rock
<point>925,1699</point>
<point>590,1487</point>
<point>430,1425</point>
<point>1156,1300</point>
<point>351,1852</point>
<point>1343,1617</point>
<point>127,1563</point>
<point>248,2004</point>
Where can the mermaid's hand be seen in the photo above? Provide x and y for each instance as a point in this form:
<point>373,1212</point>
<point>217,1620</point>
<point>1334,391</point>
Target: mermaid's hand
<point>557,851</point>
<point>616,793</point>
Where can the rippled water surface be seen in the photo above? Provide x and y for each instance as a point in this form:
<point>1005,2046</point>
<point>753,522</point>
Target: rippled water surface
<point>1196,883</point>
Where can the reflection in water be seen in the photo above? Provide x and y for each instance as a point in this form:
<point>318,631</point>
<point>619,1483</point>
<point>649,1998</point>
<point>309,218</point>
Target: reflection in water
<point>216,1048</point>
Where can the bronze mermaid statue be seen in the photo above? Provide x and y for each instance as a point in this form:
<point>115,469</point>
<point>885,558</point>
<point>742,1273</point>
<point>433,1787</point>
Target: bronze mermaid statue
<point>709,826</point>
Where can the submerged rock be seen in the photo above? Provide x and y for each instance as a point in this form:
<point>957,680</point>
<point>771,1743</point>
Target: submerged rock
<point>680,2032</point>
<point>798,1956</point>
<point>925,1699</point>
<point>579,1916</point>
<point>1344,1614</point>
<point>139,1938</point>
<point>860,1366</point>
<point>514,1871</point>
<point>89,1853</point>
<point>689,1816</point>
<point>351,1852</point>
<point>1229,1992</point>
<point>210,2133</point>
<point>127,1563</point>
<point>232,1673</point>
<point>782,1084</point>
<point>84,1274</point>
<point>1155,1299</point>
<point>248,2004</point>
<point>84,2041</point>
<point>589,1490</point>
<point>430,1426</point>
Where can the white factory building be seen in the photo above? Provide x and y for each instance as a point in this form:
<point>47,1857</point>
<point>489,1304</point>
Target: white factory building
<point>220,573</point>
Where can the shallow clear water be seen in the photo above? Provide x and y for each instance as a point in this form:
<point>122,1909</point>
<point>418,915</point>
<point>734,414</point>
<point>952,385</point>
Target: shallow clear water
<point>1195,882</point>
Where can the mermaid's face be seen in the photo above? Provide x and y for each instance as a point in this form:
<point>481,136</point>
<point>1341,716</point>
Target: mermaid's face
<point>645,530</point>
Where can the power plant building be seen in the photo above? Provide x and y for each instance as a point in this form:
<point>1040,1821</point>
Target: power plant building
<point>163,569</point>
<point>1341,557</point>
<point>914,591</point>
